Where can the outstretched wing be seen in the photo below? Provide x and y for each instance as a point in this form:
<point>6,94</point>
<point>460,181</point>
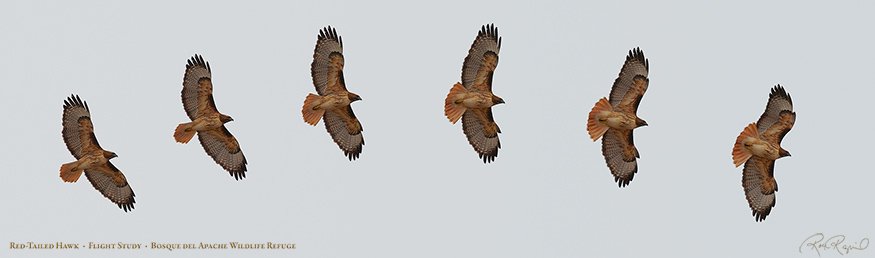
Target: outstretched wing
<point>110,182</point>
<point>346,130</point>
<point>482,132</point>
<point>759,186</point>
<point>327,66</point>
<point>631,84</point>
<point>78,132</point>
<point>778,118</point>
<point>224,149</point>
<point>197,88</point>
<point>482,59</point>
<point>620,154</point>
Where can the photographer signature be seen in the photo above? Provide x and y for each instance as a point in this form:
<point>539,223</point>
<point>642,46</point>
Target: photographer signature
<point>818,242</point>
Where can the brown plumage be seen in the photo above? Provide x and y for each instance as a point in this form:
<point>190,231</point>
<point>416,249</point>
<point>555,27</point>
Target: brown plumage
<point>472,99</point>
<point>78,133</point>
<point>758,146</point>
<point>206,121</point>
<point>332,105</point>
<point>615,117</point>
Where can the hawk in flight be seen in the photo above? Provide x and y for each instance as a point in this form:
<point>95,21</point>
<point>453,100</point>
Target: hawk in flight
<point>758,146</point>
<point>332,103</point>
<point>206,121</point>
<point>472,99</point>
<point>79,136</point>
<point>614,118</point>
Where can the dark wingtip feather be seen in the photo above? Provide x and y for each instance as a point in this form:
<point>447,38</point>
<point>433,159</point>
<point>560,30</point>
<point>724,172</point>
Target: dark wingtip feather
<point>197,60</point>
<point>637,54</point>
<point>623,182</point>
<point>488,157</point>
<point>239,172</point>
<point>354,154</point>
<point>491,31</point>
<point>779,91</point>
<point>75,101</point>
<point>127,206</point>
<point>330,33</point>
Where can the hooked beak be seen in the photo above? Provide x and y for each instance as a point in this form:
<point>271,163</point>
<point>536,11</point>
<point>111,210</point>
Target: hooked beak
<point>642,123</point>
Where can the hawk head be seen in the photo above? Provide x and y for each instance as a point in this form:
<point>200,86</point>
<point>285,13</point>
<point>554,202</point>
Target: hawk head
<point>497,100</point>
<point>109,154</point>
<point>783,153</point>
<point>640,122</point>
<point>225,118</point>
<point>353,97</point>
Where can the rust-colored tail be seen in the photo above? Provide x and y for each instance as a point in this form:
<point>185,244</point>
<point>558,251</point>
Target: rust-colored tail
<point>70,172</point>
<point>595,127</point>
<point>311,110</point>
<point>184,133</point>
<point>739,153</point>
<point>454,110</point>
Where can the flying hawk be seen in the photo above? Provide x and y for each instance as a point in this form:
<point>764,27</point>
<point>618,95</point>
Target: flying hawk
<point>615,118</point>
<point>332,103</point>
<point>206,121</point>
<point>79,136</point>
<point>472,99</point>
<point>758,146</point>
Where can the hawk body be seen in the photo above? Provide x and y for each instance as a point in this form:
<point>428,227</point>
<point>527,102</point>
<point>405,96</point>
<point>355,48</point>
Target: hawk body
<point>207,122</point>
<point>332,104</point>
<point>472,99</point>
<point>78,133</point>
<point>614,118</point>
<point>758,146</point>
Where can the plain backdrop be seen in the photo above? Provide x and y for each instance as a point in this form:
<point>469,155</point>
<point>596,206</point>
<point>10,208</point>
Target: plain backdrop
<point>419,189</point>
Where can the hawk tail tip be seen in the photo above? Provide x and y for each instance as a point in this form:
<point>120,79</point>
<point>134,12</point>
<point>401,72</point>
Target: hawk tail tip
<point>183,133</point>
<point>596,128</point>
<point>452,110</point>
<point>739,154</point>
<point>311,114</point>
<point>69,173</point>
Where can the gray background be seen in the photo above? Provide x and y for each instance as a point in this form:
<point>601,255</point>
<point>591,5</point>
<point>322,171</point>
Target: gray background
<point>419,189</point>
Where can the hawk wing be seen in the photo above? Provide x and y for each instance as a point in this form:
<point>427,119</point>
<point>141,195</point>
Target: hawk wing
<point>327,66</point>
<point>482,59</point>
<point>197,88</point>
<point>759,186</point>
<point>620,154</point>
<point>77,129</point>
<point>110,182</point>
<point>631,84</point>
<point>224,149</point>
<point>346,131</point>
<point>778,118</point>
<point>482,132</point>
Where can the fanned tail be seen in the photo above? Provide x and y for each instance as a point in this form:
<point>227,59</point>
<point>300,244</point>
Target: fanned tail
<point>739,153</point>
<point>454,110</point>
<point>595,127</point>
<point>184,133</point>
<point>70,172</point>
<point>311,110</point>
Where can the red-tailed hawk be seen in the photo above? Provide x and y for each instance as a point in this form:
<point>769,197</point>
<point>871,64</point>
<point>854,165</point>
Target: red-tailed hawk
<point>472,99</point>
<point>79,136</point>
<point>206,121</point>
<point>758,146</point>
<point>614,118</point>
<point>332,103</point>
